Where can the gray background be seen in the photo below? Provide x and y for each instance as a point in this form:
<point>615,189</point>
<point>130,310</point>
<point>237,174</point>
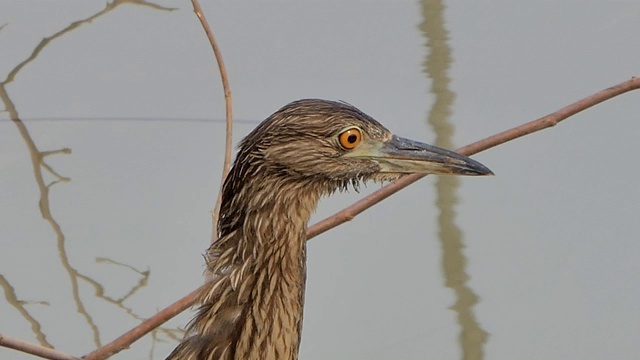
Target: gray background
<point>538,262</point>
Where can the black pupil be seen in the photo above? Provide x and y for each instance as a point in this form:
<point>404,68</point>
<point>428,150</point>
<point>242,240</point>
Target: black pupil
<point>352,138</point>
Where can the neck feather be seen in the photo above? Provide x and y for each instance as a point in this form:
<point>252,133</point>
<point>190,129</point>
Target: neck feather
<point>253,308</point>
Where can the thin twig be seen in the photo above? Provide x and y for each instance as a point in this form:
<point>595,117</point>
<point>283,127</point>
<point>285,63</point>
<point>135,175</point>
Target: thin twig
<point>358,207</point>
<point>229,122</point>
<point>34,349</point>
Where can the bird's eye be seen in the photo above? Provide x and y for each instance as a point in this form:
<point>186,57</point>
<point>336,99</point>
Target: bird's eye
<point>350,138</point>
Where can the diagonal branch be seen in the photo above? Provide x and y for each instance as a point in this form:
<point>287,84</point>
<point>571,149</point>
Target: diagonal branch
<point>358,207</point>
<point>34,349</point>
<point>128,338</point>
<point>474,148</point>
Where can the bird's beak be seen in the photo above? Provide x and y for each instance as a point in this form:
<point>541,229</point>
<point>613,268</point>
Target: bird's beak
<point>400,155</point>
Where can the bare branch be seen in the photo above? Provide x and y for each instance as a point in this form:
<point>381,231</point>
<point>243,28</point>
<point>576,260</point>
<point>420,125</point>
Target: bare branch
<point>128,338</point>
<point>358,207</point>
<point>34,349</point>
<point>547,121</point>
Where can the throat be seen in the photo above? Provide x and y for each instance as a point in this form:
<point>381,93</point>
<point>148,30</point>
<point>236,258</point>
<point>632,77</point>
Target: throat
<point>253,309</point>
<point>272,320</point>
<point>270,284</point>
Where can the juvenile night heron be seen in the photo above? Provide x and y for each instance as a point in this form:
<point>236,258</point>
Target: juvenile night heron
<point>309,148</point>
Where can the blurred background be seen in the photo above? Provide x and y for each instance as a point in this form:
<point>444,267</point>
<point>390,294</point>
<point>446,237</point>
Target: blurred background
<point>108,180</point>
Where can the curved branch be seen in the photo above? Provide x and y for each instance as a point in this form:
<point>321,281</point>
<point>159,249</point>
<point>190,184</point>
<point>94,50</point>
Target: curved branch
<point>229,117</point>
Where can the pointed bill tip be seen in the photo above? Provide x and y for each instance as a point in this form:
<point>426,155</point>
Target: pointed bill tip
<point>407,156</point>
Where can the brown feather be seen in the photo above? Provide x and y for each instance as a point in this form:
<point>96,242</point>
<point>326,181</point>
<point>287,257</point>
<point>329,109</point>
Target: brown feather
<point>253,307</point>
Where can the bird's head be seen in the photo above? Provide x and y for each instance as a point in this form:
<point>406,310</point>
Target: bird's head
<point>334,141</point>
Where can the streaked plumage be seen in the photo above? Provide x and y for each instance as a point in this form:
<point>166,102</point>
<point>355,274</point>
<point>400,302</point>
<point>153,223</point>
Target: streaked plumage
<point>306,150</point>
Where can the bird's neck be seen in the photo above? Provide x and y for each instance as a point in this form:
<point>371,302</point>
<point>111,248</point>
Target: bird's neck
<point>274,278</point>
<point>253,310</point>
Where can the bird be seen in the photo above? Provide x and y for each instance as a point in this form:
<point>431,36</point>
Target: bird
<point>310,148</point>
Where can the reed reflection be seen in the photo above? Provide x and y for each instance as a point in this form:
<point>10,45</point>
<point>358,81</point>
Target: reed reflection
<point>472,336</point>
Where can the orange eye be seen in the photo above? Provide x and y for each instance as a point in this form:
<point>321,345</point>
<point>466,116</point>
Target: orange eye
<point>350,138</point>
